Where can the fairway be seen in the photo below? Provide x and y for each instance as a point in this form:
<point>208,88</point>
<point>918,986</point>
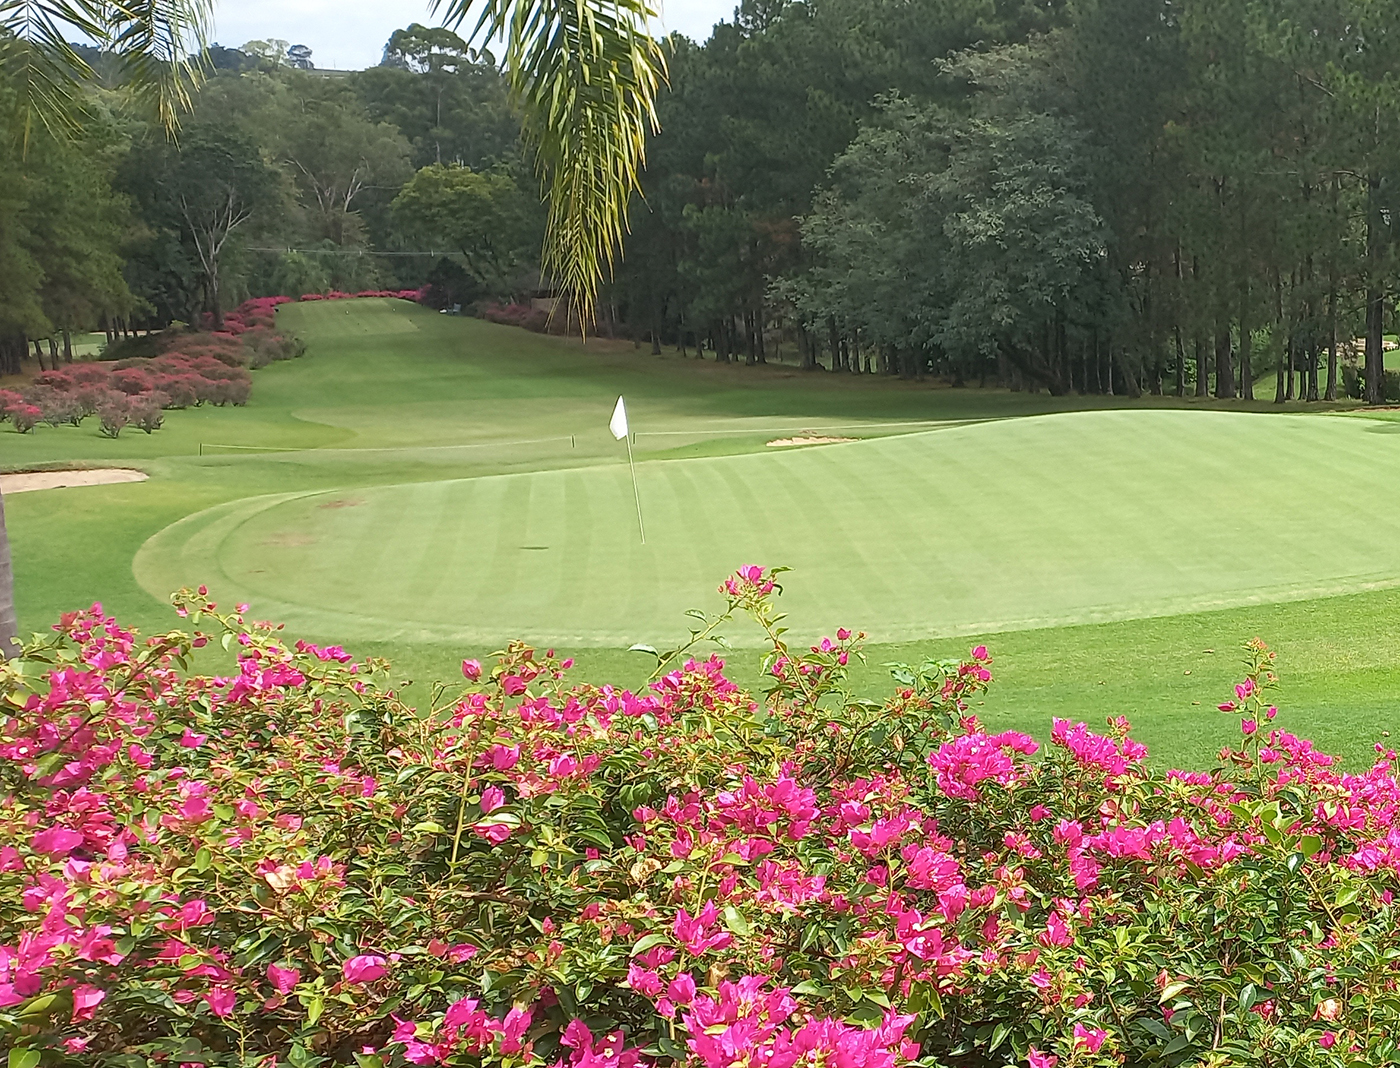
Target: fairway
<point>1075,518</point>
<point>425,488</point>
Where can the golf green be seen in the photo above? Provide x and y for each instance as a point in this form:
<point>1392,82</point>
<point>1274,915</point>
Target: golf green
<point>1074,518</point>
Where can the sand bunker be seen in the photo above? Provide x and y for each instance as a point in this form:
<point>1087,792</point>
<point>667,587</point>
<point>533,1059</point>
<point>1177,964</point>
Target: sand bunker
<point>38,480</point>
<point>783,443</point>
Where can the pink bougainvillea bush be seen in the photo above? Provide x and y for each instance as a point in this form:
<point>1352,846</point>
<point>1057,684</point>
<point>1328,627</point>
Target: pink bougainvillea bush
<point>287,865</point>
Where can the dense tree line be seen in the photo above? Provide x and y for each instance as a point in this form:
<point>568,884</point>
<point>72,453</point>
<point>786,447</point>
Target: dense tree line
<point>284,179</point>
<point>1094,196</point>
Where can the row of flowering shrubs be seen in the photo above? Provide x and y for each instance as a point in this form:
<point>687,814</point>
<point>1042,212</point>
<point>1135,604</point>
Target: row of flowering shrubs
<point>523,315</point>
<point>289,866</point>
<point>126,392</point>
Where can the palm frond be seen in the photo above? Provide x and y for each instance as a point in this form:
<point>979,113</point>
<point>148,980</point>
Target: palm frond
<point>150,40</point>
<point>584,74</point>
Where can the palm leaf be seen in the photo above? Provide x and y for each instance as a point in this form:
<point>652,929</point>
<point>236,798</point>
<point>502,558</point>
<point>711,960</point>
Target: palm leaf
<point>584,74</point>
<point>150,40</point>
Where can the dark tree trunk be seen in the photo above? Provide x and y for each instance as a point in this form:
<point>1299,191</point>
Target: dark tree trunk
<point>1180,363</point>
<point>1224,372</point>
<point>1130,379</point>
<point>1331,394</point>
<point>1292,366</point>
<point>1312,371</point>
<point>1246,345</point>
<point>1375,299</point>
<point>1202,368</point>
<point>758,343</point>
<point>835,341</point>
<point>67,346</point>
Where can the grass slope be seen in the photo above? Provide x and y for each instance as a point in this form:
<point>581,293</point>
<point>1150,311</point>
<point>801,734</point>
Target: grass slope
<point>403,526</point>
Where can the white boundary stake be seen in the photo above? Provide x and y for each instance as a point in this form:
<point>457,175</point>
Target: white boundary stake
<point>618,425</point>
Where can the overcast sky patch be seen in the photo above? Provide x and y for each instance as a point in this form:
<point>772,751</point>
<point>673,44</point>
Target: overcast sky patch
<point>350,34</point>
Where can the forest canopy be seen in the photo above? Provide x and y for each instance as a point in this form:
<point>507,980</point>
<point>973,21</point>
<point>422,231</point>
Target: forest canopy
<point>1081,196</point>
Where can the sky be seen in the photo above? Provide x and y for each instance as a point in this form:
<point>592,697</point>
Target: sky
<point>350,34</point>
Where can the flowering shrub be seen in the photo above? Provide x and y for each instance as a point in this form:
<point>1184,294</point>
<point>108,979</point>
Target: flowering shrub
<point>25,416</point>
<point>289,866</point>
<point>522,315</point>
<point>113,413</point>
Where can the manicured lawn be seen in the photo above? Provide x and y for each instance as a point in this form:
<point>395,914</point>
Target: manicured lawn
<point>451,484</point>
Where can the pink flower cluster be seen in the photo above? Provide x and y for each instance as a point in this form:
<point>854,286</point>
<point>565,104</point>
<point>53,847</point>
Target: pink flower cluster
<point>539,874</point>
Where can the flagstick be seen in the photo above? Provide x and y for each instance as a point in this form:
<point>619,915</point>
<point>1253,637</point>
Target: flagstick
<point>635,493</point>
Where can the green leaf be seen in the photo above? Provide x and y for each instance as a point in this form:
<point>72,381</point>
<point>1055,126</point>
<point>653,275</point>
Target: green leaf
<point>203,859</point>
<point>647,941</point>
<point>314,1010</point>
<point>1310,845</point>
<point>734,920</point>
<point>1171,991</point>
<point>813,987</point>
<point>998,1036</point>
<point>24,1058</point>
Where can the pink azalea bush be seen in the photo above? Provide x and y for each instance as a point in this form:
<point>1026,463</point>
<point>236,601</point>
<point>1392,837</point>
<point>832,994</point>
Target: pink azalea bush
<point>287,865</point>
<point>522,315</point>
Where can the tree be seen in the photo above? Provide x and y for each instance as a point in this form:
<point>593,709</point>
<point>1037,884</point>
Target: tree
<point>483,215</point>
<point>212,184</point>
<point>448,99</point>
<point>334,152</point>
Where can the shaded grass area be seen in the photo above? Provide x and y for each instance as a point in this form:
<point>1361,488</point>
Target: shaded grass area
<point>390,394</point>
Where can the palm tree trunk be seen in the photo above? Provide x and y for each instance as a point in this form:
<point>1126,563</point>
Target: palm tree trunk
<point>9,624</point>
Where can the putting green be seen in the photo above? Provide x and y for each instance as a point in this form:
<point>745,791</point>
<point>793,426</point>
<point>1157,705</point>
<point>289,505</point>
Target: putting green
<point>1072,518</point>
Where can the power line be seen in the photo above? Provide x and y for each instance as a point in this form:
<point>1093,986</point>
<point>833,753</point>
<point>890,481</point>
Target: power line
<point>345,252</point>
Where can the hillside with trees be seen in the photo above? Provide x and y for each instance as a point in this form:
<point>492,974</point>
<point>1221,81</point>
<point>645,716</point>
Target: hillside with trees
<point>1093,196</point>
<point>1097,196</point>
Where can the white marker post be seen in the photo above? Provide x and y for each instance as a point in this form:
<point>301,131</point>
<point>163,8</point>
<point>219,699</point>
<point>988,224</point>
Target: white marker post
<point>618,425</point>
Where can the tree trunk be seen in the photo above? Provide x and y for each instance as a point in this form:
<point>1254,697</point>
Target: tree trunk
<point>1375,299</point>
<point>1313,354</point>
<point>1130,378</point>
<point>1202,368</point>
<point>1331,394</point>
<point>9,624</point>
<point>67,346</point>
<point>1246,345</point>
<point>835,340</point>
<point>1180,363</point>
<point>758,343</point>
<point>1224,373</point>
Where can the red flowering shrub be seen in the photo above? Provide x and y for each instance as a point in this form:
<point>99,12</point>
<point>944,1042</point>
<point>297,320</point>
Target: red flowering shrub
<point>146,411</point>
<point>114,413</point>
<point>290,866</point>
<point>130,380</point>
<point>25,416</point>
<point>522,315</point>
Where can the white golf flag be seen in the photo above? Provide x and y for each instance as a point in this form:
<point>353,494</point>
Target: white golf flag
<point>618,423</point>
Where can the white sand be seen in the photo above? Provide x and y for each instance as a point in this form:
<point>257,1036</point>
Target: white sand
<point>783,443</point>
<point>38,480</point>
